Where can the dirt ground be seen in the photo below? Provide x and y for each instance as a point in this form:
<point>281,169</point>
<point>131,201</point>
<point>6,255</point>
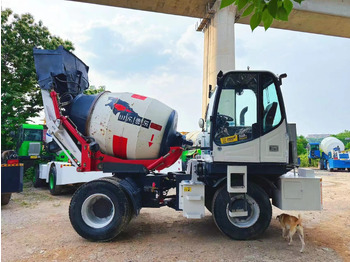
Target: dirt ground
<point>35,227</point>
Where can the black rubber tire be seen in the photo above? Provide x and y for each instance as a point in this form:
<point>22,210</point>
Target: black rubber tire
<point>221,218</point>
<point>321,165</point>
<point>115,181</point>
<point>209,195</point>
<point>328,168</point>
<point>54,188</point>
<point>122,213</point>
<point>37,182</point>
<point>5,198</point>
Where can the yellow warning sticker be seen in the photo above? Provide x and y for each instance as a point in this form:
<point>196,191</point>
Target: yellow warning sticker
<point>229,139</point>
<point>187,189</point>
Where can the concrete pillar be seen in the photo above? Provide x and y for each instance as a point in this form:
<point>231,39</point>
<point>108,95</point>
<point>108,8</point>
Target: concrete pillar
<point>219,47</point>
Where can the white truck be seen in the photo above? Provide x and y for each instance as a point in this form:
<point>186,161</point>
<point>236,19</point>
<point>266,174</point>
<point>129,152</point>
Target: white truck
<point>247,147</point>
<point>59,174</point>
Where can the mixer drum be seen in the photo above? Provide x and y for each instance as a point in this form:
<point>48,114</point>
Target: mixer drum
<point>329,143</point>
<point>125,125</point>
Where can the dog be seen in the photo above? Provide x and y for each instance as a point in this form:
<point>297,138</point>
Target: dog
<point>290,225</point>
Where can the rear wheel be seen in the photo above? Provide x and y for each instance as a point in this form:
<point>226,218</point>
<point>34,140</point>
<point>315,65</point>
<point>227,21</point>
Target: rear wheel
<point>115,181</point>
<point>37,182</point>
<point>99,210</point>
<point>245,227</point>
<point>5,198</point>
<point>54,188</point>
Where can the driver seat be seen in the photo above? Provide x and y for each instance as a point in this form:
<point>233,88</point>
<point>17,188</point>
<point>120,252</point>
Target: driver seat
<point>269,116</point>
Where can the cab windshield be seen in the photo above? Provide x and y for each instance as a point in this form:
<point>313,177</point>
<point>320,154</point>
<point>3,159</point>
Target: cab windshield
<point>32,135</point>
<point>237,109</point>
<point>313,147</point>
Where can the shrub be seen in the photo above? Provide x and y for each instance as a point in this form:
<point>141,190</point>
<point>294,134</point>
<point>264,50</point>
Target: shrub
<point>304,161</point>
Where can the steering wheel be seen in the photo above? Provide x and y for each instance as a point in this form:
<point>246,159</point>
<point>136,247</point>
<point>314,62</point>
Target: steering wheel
<point>221,120</point>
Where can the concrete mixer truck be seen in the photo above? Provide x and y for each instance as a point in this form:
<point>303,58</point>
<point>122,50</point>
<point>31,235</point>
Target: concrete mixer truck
<point>331,154</point>
<point>246,148</point>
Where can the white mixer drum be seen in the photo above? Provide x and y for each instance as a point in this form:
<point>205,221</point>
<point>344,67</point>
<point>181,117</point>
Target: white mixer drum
<point>329,143</point>
<point>131,126</point>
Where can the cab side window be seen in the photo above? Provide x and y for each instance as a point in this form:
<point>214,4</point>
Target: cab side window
<point>272,112</point>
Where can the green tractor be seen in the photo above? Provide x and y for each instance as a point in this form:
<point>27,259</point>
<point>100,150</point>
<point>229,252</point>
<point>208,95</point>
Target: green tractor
<point>30,148</point>
<point>29,141</point>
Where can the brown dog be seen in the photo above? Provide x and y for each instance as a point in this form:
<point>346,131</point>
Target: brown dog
<point>290,225</point>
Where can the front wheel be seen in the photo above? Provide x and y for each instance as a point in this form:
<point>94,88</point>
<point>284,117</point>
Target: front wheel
<point>245,227</point>
<point>99,210</point>
<point>321,165</point>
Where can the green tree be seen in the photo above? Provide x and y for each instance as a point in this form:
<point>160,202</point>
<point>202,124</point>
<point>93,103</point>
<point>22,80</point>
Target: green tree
<point>94,90</point>
<point>20,94</point>
<point>347,146</point>
<point>265,11</point>
<point>301,145</point>
<point>344,137</point>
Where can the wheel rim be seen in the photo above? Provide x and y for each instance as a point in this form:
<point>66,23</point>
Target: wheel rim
<point>51,181</point>
<point>97,210</point>
<point>253,212</point>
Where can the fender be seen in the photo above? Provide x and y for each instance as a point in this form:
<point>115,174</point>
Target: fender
<point>133,192</point>
<point>267,185</point>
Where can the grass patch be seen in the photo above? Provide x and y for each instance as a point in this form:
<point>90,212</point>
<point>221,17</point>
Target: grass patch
<point>31,195</point>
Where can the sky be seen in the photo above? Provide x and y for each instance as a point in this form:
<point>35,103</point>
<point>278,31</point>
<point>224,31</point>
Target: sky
<point>161,56</point>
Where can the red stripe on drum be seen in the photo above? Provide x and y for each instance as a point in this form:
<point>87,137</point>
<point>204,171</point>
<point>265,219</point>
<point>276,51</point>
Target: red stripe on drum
<point>138,97</point>
<point>119,146</point>
<point>156,127</point>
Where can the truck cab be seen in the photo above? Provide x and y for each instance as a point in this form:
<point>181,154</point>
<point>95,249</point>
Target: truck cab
<point>246,123</point>
<point>313,150</point>
<point>29,141</point>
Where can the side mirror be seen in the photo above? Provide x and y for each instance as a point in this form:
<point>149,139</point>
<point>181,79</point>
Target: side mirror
<point>281,77</point>
<point>201,123</point>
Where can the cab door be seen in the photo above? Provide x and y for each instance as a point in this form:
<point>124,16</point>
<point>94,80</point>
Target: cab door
<point>235,133</point>
<point>274,138</point>
<point>248,119</point>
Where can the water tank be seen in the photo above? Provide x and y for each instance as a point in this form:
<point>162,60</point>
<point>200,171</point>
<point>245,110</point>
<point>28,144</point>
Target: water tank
<point>329,143</point>
<point>126,125</point>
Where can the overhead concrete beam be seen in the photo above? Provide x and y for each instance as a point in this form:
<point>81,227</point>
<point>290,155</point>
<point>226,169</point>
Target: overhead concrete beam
<point>328,17</point>
<point>192,8</point>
